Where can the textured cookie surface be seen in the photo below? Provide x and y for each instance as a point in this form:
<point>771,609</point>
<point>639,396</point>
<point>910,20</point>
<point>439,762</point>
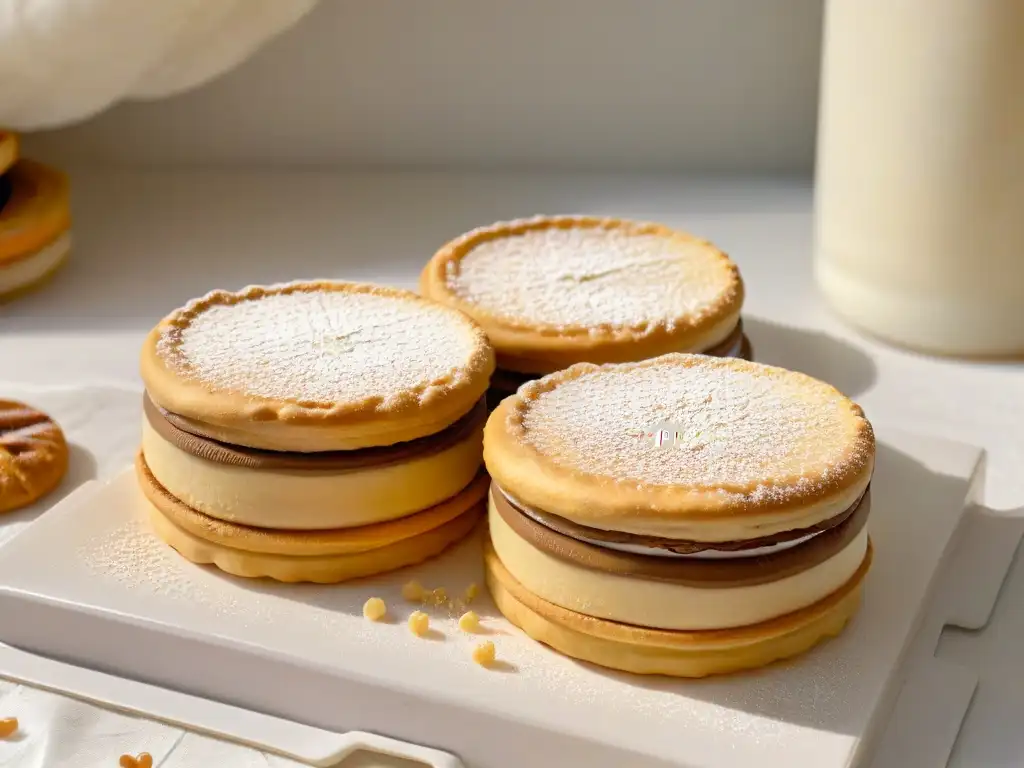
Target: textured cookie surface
<point>679,436</point>
<point>33,455</point>
<point>581,279</point>
<point>318,353</point>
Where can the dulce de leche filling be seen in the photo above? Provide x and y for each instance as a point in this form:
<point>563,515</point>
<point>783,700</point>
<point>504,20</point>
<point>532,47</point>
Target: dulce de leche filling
<point>737,572</point>
<point>680,546</point>
<point>504,382</point>
<point>176,431</point>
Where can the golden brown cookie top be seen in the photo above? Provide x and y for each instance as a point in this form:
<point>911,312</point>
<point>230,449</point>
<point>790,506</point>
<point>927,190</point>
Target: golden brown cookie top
<point>317,366</point>
<point>551,291</point>
<point>682,446</point>
<point>33,455</point>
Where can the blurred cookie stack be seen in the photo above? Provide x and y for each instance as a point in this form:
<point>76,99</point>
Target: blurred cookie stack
<point>35,220</point>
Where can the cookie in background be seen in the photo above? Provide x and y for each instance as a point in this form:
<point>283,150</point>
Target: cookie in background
<point>554,291</point>
<point>35,221</point>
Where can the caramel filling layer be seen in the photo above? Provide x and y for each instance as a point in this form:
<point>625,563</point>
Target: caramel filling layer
<point>183,436</point>
<point>709,573</point>
<point>621,539</point>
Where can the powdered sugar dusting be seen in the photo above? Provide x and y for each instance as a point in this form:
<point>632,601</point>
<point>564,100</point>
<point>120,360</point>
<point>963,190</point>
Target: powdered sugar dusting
<point>571,277</point>
<point>743,429</point>
<point>322,346</point>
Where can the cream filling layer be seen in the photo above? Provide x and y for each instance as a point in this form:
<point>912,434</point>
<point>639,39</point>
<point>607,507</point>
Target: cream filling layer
<point>638,549</point>
<point>312,499</point>
<point>729,528</point>
<point>663,605</point>
<point>23,272</point>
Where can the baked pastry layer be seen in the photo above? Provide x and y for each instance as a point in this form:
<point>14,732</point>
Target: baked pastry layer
<point>680,654</point>
<point>343,541</point>
<point>317,366</point>
<point>283,494</point>
<point>553,291</point>
<point>673,593</point>
<point>22,273</point>
<point>33,455</point>
<point>37,213</point>
<point>683,447</point>
<point>320,569</point>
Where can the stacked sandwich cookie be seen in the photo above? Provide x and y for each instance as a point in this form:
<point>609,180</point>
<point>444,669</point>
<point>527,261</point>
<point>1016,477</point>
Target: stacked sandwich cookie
<point>313,431</point>
<point>554,291</point>
<point>684,515</point>
<point>35,220</point>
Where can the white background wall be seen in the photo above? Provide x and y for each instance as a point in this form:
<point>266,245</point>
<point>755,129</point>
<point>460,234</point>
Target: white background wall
<point>704,85</point>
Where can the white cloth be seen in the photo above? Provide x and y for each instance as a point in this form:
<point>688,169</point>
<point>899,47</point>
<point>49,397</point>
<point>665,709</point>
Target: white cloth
<point>102,425</point>
<point>62,61</point>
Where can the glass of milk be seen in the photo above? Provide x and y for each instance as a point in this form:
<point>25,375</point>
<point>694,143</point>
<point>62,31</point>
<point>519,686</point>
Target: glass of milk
<point>920,175</point>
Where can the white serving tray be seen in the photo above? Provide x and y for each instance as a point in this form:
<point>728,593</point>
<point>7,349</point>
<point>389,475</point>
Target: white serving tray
<point>88,584</point>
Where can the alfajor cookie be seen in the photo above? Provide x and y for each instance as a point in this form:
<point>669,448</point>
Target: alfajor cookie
<point>33,455</point>
<point>34,227</point>
<point>313,412</point>
<point>685,515</point>
<point>554,291</point>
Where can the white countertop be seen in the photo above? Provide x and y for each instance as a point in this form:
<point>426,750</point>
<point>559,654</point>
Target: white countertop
<point>147,242</point>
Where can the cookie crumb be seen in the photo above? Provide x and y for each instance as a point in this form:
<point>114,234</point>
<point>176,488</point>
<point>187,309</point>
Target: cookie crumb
<point>469,622</point>
<point>483,654</point>
<point>144,760</point>
<point>471,592</point>
<point>419,623</point>
<point>413,591</point>
<point>8,726</point>
<point>439,596</point>
<point>374,609</point>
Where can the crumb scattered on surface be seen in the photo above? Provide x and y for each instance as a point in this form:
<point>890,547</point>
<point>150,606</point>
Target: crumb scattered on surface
<point>469,622</point>
<point>374,609</point>
<point>144,760</point>
<point>471,592</point>
<point>483,654</point>
<point>439,596</point>
<point>419,623</point>
<point>413,591</point>
<point>8,726</point>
